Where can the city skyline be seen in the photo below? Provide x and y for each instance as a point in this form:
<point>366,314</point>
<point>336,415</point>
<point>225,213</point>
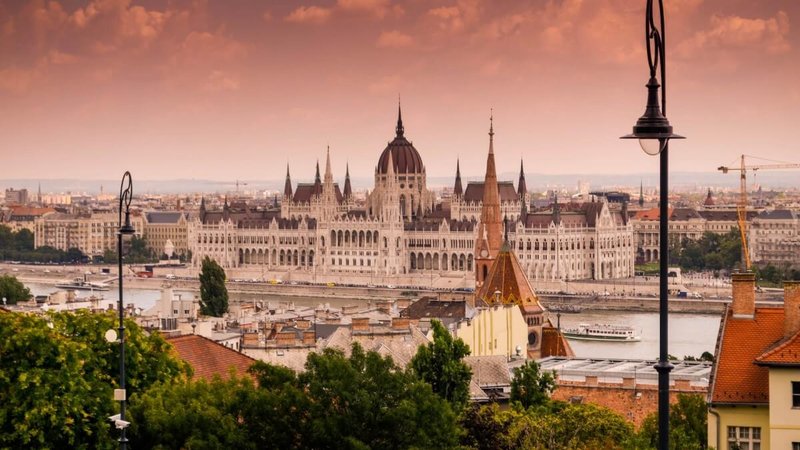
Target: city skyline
<point>212,91</point>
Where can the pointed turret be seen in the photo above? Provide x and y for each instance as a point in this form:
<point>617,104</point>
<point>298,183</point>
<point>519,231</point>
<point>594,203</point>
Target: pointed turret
<point>641,194</point>
<point>522,187</point>
<point>556,211</point>
<point>226,211</point>
<point>490,232</point>
<point>317,178</point>
<point>458,190</point>
<point>399,130</point>
<point>328,171</point>
<point>348,191</point>
<point>202,209</point>
<point>287,187</point>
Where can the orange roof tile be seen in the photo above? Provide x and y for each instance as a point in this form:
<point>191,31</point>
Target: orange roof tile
<point>736,377</point>
<point>208,358</point>
<point>784,353</point>
<point>651,214</point>
<point>507,277</point>
<point>554,343</point>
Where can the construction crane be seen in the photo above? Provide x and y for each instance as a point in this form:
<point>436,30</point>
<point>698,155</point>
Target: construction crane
<point>741,204</point>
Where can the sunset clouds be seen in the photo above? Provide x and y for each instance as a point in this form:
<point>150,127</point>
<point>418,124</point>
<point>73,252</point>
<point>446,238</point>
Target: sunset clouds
<point>191,77</point>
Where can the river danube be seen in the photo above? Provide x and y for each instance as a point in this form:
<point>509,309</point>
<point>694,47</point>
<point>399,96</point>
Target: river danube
<point>689,334</point>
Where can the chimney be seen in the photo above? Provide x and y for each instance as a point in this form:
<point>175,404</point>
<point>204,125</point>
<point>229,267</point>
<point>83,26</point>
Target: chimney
<point>744,295</point>
<point>400,324</point>
<point>286,339</point>
<point>791,308</point>
<point>360,324</point>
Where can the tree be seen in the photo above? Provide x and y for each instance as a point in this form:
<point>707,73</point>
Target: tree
<point>191,415</point>
<point>559,426</point>
<point>213,293</point>
<point>688,419</point>
<point>359,402</point>
<point>530,387</point>
<point>57,376</point>
<point>12,290</point>
<point>440,364</point>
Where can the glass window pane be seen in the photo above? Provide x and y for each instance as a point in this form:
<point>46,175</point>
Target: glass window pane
<point>757,433</point>
<point>744,432</point>
<point>731,432</point>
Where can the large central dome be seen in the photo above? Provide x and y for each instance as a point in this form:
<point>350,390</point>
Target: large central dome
<point>406,158</point>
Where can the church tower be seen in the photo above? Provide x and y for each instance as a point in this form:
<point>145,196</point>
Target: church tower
<point>490,229</point>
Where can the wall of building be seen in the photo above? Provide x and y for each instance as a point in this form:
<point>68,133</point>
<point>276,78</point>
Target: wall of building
<point>498,330</point>
<point>738,416</point>
<point>784,421</point>
<point>631,400</point>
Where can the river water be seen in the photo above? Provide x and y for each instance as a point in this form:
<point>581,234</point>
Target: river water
<point>689,334</point>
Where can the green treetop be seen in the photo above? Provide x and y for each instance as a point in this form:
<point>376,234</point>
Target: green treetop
<point>213,293</point>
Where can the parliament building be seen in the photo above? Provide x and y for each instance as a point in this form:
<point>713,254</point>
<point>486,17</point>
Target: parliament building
<point>402,231</point>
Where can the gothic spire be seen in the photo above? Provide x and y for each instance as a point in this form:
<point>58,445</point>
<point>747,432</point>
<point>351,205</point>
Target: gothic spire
<point>522,187</point>
<point>458,190</point>
<point>328,171</point>
<point>287,187</point>
<point>348,191</point>
<point>317,179</point>
<point>491,132</point>
<point>641,194</point>
<point>556,211</point>
<point>399,129</point>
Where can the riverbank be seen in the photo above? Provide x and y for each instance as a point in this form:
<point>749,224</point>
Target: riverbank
<point>361,294</point>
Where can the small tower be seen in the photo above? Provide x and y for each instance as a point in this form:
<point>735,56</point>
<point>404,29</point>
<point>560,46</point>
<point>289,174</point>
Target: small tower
<point>287,186</point>
<point>556,211</point>
<point>709,199</point>
<point>641,194</point>
<point>522,190</point>
<point>458,190</point>
<point>348,191</point>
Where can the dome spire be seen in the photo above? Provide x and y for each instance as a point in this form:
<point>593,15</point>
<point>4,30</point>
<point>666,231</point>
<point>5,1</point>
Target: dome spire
<point>399,129</point>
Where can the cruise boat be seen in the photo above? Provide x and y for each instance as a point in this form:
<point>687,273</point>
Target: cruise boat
<point>83,284</point>
<point>602,332</point>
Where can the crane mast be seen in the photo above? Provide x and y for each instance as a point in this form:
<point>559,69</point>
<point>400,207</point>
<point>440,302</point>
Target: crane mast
<point>741,204</point>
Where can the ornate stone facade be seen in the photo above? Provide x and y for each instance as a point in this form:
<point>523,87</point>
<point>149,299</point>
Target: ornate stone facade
<point>403,232</point>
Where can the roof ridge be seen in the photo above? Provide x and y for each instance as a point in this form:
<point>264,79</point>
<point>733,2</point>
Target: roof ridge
<point>778,346</point>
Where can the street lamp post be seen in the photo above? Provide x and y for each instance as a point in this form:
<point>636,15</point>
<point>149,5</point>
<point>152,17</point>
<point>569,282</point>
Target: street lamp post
<point>654,131</point>
<point>125,230</point>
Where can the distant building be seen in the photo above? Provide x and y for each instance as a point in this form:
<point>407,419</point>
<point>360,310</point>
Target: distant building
<point>754,400</point>
<point>92,234</point>
<point>403,232</point>
<point>16,196</point>
<point>19,217</point>
<point>161,227</point>
<point>774,238</point>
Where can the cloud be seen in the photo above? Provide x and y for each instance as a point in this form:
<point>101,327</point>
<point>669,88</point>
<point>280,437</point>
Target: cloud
<point>309,14</point>
<point>394,39</point>
<point>221,81</point>
<point>378,8</point>
<point>735,32</point>
<point>17,81</point>
<point>386,84</point>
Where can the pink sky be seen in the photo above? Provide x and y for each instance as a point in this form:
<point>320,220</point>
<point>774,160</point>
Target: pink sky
<point>236,89</point>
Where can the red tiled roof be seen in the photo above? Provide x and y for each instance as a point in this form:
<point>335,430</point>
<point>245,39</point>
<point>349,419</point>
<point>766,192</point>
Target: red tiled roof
<point>208,358</point>
<point>785,353</point>
<point>554,343</point>
<point>737,379</point>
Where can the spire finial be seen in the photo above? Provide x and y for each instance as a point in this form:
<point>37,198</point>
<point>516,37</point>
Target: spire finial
<point>491,131</point>
<point>399,129</point>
